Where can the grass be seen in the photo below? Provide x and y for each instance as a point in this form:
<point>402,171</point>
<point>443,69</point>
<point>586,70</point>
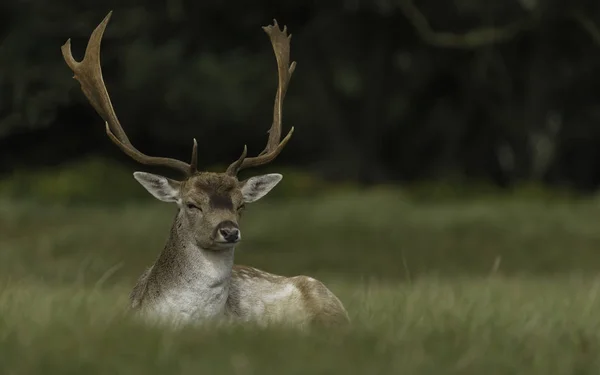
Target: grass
<point>494,286</point>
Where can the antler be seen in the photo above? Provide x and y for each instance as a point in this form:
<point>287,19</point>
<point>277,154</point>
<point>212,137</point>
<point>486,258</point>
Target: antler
<point>281,46</point>
<point>89,74</point>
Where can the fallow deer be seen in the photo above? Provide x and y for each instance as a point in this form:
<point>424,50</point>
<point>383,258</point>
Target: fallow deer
<point>194,279</point>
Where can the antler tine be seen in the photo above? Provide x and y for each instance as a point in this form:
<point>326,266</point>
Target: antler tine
<point>280,41</point>
<point>194,161</point>
<point>89,74</point>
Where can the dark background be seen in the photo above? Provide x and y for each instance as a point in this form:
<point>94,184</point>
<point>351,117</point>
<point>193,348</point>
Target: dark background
<point>394,91</point>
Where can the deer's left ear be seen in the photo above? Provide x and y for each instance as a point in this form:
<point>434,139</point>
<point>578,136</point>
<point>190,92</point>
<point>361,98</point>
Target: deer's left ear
<point>257,187</point>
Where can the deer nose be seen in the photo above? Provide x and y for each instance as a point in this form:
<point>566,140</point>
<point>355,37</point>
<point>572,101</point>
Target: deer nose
<point>230,234</point>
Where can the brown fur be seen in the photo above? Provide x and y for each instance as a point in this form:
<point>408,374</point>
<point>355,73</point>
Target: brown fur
<point>139,290</point>
<point>326,308</point>
<point>245,272</point>
<point>220,197</point>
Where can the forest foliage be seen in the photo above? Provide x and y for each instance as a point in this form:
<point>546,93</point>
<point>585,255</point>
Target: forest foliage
<point>385,91</point>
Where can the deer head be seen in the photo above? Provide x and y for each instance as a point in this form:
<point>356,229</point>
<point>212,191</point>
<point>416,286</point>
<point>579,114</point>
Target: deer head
<point>210,203</point>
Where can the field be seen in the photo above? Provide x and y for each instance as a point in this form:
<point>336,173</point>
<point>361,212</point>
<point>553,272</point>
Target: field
<point>488,286</point>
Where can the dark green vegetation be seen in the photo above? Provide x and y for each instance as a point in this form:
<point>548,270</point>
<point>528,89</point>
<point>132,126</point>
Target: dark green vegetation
<point>496,285</point>
<point>384,91</point>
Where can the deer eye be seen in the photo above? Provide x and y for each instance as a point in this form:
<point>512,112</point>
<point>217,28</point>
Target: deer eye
<point>241,207</point>
<point>192,206</point>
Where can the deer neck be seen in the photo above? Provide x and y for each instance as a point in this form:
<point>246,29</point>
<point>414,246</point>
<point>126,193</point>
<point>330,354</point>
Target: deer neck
<point>191,280</point>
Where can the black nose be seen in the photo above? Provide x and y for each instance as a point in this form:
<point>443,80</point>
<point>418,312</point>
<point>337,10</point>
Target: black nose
<point>230,234</point>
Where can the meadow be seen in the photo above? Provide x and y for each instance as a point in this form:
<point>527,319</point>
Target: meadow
<point>489,285</point>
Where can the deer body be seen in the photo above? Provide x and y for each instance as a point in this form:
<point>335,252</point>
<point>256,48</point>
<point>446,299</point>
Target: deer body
<point>194,279</point>
<point>241,294</point>
<point>258,296</point>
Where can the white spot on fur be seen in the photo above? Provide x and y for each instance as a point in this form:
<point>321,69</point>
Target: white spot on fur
<point>268,300</point>
<point>283,293</point>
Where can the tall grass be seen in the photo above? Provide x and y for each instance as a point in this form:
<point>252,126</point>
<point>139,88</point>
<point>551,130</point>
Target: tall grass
<point>491,286</point>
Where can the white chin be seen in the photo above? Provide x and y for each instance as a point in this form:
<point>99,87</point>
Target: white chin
<point>223,245</point>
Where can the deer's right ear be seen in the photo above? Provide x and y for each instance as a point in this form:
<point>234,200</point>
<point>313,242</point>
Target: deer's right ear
<point>162,188</point>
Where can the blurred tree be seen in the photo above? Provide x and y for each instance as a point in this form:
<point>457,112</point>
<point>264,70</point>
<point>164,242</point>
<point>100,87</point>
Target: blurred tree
<point>387,90</point>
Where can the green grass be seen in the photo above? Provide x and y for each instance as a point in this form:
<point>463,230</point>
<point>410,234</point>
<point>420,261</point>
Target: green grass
<point>493,286</point>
